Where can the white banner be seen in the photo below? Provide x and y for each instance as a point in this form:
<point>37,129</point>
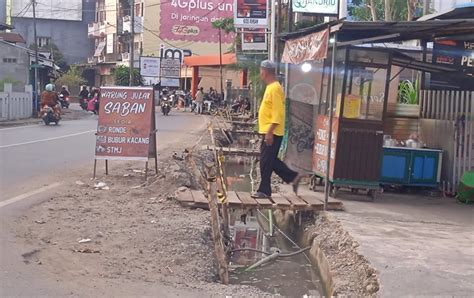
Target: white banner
<point>150,66</point>
<point>329,7</point>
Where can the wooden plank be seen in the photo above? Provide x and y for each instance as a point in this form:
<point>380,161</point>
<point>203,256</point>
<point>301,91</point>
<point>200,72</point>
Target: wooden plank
<point>246,199</point>
<point>199,197</point>
<point>279,200</point>
<point>233,199</point>
<point>264,203</point>
<point>333,204</point>
<point>295,201</point>
<point>312,201</point>
<point>186,197</point>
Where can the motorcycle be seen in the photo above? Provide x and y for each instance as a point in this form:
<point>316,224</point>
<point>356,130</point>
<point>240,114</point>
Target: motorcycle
<point>48,115</point>
<point>64,101</point>
<point>83,103</point>
<point>93,105</point>
<point>165,107</point>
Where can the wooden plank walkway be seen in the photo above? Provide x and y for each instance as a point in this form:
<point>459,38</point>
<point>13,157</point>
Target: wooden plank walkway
<point>243,200</point>
<point>233,151</point>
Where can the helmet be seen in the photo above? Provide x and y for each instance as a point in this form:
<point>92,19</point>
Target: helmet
<point>49,87</point>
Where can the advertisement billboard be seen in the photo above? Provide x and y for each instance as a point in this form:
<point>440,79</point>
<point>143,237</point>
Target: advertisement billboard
<point>326,7</point>
<point>149,66</point>
<point>191,21</point>
<point>254,40</point>
<point>125,123</point>
<point>251,14</point>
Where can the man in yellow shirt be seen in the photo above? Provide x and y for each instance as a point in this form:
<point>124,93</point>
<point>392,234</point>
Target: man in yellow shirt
<point>271,125</point>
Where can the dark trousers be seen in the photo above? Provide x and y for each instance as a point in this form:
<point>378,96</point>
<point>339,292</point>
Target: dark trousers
<point>270,163</point>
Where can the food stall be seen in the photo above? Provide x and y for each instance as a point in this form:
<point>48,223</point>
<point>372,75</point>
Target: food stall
<point>354,92</point>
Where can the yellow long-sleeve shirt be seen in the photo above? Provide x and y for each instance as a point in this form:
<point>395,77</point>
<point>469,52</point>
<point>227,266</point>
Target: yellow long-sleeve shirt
<point>272,110</point>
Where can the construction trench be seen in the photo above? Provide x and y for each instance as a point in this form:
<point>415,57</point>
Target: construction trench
<point>281,250</point>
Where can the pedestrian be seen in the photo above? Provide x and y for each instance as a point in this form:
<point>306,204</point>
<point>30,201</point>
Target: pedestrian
<point>271,126</point>
<point>199,98</point>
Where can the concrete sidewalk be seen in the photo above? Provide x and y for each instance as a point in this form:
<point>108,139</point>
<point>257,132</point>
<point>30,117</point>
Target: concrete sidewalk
<point>421,246</point>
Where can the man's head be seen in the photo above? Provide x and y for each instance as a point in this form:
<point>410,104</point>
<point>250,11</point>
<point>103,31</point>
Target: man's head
<point>201,89</point>
<point>267,71</point>
<point>84,87</point>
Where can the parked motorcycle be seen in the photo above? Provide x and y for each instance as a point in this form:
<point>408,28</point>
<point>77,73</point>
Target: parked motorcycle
<point>49,115</point>
<point>165,107</point>
<point>64,101</point>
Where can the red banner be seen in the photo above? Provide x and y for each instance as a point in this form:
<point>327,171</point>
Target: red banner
<point>125,123</point>
<point>307,48</point>
<point>321,143</point>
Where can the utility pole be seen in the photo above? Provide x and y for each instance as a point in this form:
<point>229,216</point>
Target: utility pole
<point>272,31</point>
<point>220,63</point>
<point>132,40</point>
<point>36,88</point>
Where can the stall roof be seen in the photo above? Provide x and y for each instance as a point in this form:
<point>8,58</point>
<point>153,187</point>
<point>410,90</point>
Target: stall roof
<point>463,11</point>
<point>363,32</point>
<point>210,60</point>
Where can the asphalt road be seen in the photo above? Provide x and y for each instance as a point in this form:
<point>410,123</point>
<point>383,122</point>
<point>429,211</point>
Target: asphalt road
<point>33,160</point>
<point>29,155</point>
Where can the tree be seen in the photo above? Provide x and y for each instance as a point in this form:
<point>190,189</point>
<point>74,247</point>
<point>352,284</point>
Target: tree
<point>388,10</point>
<point>122,76</point>
<point>58,57</point>
<point>73,79</point>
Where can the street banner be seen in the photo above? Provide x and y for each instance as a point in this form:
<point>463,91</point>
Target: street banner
<point>190,20</point>
<point>326,7</point>
<point>321,146</point>
<point>170,68</point>
<point>251,14</point>
<point>254,40</point>
<point>149,66</point>
<point>126,128</point>
<point>307,48</point>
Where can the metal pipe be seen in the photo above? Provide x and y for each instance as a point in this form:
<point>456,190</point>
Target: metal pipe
<point>270,222</point>
<point>331,118</point>
<point>36,85</point>
<point>132,41</point>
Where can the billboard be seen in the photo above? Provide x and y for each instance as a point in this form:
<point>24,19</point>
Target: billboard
<point>254,39</point>
<point>149,66</point>
<point>191,21</point>
<point>326,7</point>
<point>251,14</point>
<point>125,123</point>
<point>67,10</point>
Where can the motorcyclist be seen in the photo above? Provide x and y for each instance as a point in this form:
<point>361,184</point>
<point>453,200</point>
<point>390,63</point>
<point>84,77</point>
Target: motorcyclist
<point>64,92</point>
<point>84,93</point>
<point>50,98</point>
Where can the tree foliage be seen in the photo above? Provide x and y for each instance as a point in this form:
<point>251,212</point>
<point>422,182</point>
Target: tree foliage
<point>385,10</point>
<point>73,79</point>
<point>122,76</point>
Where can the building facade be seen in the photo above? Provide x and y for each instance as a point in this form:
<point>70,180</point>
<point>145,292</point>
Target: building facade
<point>111,33</point>
<point>60,22</point>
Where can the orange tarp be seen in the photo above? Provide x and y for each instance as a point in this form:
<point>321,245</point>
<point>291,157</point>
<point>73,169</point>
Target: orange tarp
<point>210,60</point>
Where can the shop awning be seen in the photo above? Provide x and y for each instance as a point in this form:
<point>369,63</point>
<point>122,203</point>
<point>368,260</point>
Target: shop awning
<point>363,32</point>
<point>210,60</point>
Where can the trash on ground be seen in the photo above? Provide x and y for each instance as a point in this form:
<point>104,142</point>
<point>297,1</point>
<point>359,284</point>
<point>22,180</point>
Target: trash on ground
<point>40,222</point>
<point>78,182</point>
<point>87,251</point>
<point>100,185</point>
<point>86,240</point>
<point>139,171</point>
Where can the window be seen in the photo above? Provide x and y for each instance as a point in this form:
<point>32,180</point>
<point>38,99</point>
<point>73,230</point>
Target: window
<point>9,60</point>
<point>43,41</point>
<point>138,10</point>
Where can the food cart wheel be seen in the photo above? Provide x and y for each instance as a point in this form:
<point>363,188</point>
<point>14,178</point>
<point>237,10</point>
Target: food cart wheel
<point>355,190</point>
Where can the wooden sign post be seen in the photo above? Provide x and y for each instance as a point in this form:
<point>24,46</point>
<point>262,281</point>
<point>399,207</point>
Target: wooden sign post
<point>126,128</point>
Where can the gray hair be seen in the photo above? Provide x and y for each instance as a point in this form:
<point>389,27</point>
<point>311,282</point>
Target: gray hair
<point>268,64</point>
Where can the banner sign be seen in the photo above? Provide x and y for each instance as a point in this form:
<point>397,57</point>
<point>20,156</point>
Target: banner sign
<point>307,48</point>
<point>149,66</point>
<point>256,40</point>
<point>456,54</point>
<point>170,68</point>
<point>326,7</point>
<point>169,82</point>
<point>191,20</point>
<point>321,145</point>
<point>126,121</point>
<point>251,14</point>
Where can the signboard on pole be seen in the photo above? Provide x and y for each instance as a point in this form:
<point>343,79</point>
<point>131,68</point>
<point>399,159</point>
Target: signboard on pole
<point>149,66</point>
<point>251,14</point>
<point>321,144</point>
<point>307,48</point>
<point>126,127</point>
<point>170,68</point>
<point>326,7</point>
<point>254,40</point>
